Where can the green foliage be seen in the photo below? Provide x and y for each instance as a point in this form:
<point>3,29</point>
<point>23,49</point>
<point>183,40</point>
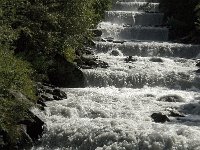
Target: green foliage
<point>45,28</point>
<point>99,7</point>
<point>15,74</point>
<point>36,31</point>
<point>69,54</point>
<point>11,111</point>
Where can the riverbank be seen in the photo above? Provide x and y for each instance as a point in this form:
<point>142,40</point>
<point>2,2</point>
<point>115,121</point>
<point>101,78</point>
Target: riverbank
<point>38,45</point>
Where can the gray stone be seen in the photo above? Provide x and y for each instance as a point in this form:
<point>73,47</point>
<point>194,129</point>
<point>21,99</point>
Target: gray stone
<point>159,118</point>
<point>171,98</point>
<point>154,59</point>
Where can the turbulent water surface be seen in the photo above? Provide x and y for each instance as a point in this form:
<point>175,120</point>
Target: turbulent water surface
<point>114,111</point>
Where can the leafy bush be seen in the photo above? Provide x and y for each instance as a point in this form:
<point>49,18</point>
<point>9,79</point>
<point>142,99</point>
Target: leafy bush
<point>14,77</point>
<point>15,74</point>
<point>46,28</point>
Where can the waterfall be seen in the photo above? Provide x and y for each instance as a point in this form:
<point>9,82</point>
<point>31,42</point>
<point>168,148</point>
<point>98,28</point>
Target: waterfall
<point>114,111</point>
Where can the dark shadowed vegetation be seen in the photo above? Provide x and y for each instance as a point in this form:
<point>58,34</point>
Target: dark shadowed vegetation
<point>33,34</point>
<point>183,18</point>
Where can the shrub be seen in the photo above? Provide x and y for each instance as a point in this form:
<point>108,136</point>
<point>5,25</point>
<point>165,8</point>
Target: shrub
<point>15,74</point>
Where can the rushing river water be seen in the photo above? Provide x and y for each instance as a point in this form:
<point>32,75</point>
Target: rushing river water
<point>114,111</point>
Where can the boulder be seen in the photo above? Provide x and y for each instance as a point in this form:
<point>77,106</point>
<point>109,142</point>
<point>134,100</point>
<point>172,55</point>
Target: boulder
<point>159,117</point>
<point>198,64</point>
<point>175,113</point>
<point>59,93</point>
<point>49,93</point>
<point>109,39</point>
<point>171,98</point>
<point>192,108</point>
<point>34,127</point>
<point>198,71</point>
<point>65,74</point>
<point>120,42</point>
<point>96,32</point>
<point>90,61</point>
<point>130,59</point>
<point>115,53</point>
<point>155,59</point>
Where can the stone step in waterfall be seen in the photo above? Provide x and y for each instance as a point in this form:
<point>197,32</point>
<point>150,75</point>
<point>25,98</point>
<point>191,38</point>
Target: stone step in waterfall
<point>134,33</point>
<point>134,18</point>
<point>148,101</point>
<point>145,49</point>
<point>143,71</point>
<point>137,6</point>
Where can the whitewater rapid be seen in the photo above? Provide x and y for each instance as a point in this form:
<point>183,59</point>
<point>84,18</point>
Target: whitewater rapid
<point>113,112</point>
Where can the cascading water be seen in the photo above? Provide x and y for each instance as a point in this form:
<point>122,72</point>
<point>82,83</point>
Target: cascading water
<point>114,111</point>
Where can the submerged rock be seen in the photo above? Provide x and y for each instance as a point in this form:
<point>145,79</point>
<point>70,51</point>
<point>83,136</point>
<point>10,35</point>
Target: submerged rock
<point>171,98</point>
<point>198,71</point>
<point>115,53</point>
<point>155,59</point>
<point>130,59</point>
<point>174,113</point>
<point>109,39</point>
<point>121,42</point>
<point>192,108</point>
<point>159,118</point>
<point>96,32</point>
<point>198,64</point>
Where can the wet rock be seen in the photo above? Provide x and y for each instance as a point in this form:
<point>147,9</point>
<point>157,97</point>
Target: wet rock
<point>192,108</point>
<point>96,32</point>
<point>41,102</point>
<point>159,118</point>
<point>34,127</point>
<point>103,40</point>
<point>90,62</point>
<point>109,39</point>
<point>65,74</point>
<point>175,113</point>
<point>59,93</point>
<point>198,71</point>
<point>120,42</point>
<point>154,59</point>
<point>198,64</point>
<point>25,141</point>
<point>127,25</point>
<point>47,97</point>
<point>171,98</point>
<point>130,59</point>
<point>115,53</point>
<point>49,93</point>
<point>149,95</point>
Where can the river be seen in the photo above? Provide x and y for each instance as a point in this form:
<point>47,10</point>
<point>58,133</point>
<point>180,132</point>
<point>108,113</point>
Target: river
<point>114,111</point>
